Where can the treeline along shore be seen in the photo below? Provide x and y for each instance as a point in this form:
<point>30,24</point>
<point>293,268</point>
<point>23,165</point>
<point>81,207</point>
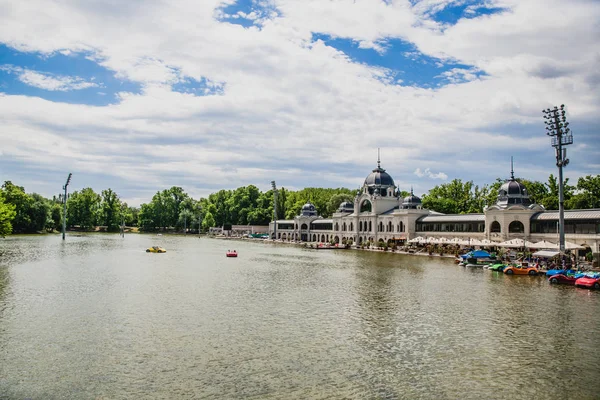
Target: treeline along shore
<point>175,210</point>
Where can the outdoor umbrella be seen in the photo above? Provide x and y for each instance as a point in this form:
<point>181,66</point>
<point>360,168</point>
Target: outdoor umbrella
<point>544,244</point>
<point>572,246</point>
<point>516,243</point>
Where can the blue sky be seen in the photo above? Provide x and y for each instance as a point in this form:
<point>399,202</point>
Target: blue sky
<point>228,93</point>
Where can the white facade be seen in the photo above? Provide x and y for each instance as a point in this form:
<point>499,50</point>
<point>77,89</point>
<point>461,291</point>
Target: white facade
<point>378,214</point>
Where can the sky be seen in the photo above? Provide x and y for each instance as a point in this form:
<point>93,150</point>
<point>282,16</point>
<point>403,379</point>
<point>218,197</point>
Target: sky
<point>139,96</point>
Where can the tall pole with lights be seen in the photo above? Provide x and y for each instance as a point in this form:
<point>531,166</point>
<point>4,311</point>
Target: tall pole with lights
<point>274,187</point>
<point>64,221</point>
<point>557,128</point>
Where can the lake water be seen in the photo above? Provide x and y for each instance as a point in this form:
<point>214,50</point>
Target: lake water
<point>96,317</point>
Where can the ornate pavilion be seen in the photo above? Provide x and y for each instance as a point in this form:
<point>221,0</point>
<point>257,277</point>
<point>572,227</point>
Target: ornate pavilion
<point>380,215</point>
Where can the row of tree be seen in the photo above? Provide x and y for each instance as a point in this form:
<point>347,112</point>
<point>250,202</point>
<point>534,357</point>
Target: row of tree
<point>21,212</point>
<point>458,197</point>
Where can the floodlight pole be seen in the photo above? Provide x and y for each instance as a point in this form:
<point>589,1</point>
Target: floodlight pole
<point>558,128</point>
<point>64,221</point>
<point>274,187</point>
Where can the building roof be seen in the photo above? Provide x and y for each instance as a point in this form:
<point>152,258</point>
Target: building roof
<point>452,218</point>
<point>322,221</point>
<point>379,177</point>
<point>390,211</point>
<point>411,199</point>
<point>569,214</point>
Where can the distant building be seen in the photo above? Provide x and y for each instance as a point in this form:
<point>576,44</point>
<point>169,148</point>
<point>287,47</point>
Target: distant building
<point>380,215</point>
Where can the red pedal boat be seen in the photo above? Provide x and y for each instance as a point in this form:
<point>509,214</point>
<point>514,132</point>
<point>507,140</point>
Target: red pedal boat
<point>231,253</point>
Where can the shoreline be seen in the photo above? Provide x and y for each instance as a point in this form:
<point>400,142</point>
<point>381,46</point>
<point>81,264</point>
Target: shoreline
<point>308,246</point>
<point>416,253</point>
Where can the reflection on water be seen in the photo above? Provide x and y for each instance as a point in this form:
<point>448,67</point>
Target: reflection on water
<point>97,317</point>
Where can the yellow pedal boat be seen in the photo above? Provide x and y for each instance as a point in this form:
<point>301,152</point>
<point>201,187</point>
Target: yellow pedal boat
<point>155,249</point>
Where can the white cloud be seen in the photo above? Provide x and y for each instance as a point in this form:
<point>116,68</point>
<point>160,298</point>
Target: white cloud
<point>459,75</point>
<point>48,81</point>
<point>427,173</point>
<point>58,83</point>
<point>291,109</point>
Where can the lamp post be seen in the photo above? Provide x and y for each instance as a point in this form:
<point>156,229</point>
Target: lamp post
<point>274,187</point>
<point>64,221</point>
<point>557,128</point>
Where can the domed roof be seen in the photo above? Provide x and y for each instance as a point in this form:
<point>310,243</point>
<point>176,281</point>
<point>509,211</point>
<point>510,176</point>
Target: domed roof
<point>379,178</point>
<point>512,187</point>
<point>411,201</point>
<point>346,206</point>
<point>308,207</point>
<point>308,210</point>
<point>512,192</point>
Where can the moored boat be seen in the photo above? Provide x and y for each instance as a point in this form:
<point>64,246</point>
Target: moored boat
<point>588,282</point>
<point>496,267</point>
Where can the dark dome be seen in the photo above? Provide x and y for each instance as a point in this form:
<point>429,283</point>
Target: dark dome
<point>511,187</point>
<point>308,207</point>
<point>346,206</point>
<point>411,201</point>
<point>379,178</point>
<point>512,192</point>
<point>308,210</point>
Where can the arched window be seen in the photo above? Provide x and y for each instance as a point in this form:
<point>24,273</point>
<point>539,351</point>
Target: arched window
<point>401,226</point>
<point>304,226</point>
<point>495,226</point>
<point>360,226</point>
<point>370,227</point>
<point>337,227</point>
<point>352,226</point>
<point>380,226</point>
<point>516,227</point>
<point>365,206</point>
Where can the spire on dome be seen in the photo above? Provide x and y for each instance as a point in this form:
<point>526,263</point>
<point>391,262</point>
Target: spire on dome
<point>512,172</point>
<point>378,159</point>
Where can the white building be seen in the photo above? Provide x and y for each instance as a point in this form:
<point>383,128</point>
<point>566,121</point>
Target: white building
<point>379,215</point>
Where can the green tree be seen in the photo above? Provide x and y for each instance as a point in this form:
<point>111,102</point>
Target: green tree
<point>146,217</point>
<point>56,212</point>
<point>7,214</point>
<point>550,200</point>
<point>208,221</point>
<point>83,209</point>
<point>186,218</point>
<point>22,203</point>
<point>455,197</point>
<point>110,210</point>
<point>40,214</point>
<point>588,193</point>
